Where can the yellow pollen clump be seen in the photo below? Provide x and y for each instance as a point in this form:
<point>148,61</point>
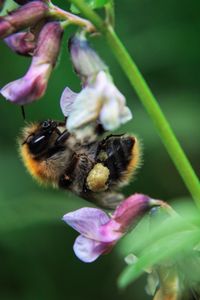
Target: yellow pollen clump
<point>102,156</point>
<point>97,178</point>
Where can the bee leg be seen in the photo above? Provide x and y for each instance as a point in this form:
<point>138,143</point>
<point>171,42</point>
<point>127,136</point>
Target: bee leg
<point>79,167</point>
<point>62,137</point>
<point>99,130</point>
<point>109,200</point>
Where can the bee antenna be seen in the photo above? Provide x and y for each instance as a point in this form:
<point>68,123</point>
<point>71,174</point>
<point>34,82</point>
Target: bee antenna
<point>23,113</point>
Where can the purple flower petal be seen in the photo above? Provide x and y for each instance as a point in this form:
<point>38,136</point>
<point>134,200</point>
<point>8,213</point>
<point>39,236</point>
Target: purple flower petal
<point>85,60</point>
<point>131,210</point>
<point>23,17</point>
<point>66,101</point>
<point>87,221</point>
<point>30,87</point>
<point>89,250</point>
<point>22,43</point>
<point>33,84</point>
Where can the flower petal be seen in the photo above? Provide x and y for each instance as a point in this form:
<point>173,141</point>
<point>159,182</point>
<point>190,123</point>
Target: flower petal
<point>131,210</point>
<point>30,87</point>
<point>66,101</point>
<point>125,115</point>
<point>25,16</point>
<point>86,61</point>
<point>22,43</point>
<point>85,109</point>
<point>87,221</point>
<point>34,83</point>
<point>109,115</point>
<point>89,250</point>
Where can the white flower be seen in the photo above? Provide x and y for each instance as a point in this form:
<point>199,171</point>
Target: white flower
<point>100,101</point>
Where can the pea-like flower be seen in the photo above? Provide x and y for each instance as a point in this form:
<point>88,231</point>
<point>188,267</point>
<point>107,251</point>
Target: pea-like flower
<point>33,85</point>
<point>22,43</point>
<point>99,232</point>
<point>23,17</point>
<point>99,101</point>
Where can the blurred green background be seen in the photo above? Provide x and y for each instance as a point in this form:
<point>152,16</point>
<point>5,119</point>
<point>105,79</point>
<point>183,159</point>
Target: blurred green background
<point>36,256</point>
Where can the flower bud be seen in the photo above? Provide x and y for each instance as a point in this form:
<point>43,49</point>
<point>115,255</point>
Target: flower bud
<point>33,85</point>
<point>85,60</point>
<point>48,44</point>
<point>22,43</point>
<point>23,17</point>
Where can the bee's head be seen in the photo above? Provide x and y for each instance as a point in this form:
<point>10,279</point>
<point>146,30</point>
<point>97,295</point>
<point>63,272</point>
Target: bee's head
<point>38,137</point>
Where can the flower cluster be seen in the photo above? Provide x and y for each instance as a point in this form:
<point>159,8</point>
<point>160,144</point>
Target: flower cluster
<point>41,40</point>
<point>32,30</point>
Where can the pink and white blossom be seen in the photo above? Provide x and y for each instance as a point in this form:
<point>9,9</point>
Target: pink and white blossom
<point>100,232</point>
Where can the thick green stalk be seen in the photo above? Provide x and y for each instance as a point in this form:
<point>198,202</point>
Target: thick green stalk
<point>147,98</point>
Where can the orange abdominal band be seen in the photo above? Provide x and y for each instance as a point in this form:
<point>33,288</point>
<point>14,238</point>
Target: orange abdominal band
<point>134,162</point>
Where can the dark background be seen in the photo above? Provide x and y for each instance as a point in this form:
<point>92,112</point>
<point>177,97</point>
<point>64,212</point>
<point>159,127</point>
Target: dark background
<point>36,256</point>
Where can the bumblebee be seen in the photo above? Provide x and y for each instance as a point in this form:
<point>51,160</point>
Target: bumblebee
<point>94,170</point>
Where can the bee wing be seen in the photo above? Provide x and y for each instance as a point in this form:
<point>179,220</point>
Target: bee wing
<point>67,100</point>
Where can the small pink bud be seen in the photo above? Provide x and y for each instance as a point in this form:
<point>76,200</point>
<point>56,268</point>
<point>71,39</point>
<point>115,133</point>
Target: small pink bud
<point>23,17</point>
<point>22,43</point>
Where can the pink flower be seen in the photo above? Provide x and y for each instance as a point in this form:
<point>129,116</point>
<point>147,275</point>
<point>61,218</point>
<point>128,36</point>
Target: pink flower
<point>22,43</point>
<point>99,232</point>
<point>33,85</point>
<point>23,17</point>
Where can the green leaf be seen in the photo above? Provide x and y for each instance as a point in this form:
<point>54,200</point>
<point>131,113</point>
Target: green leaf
<point>157,226</point>
<point>94,4</point>
<point>170,247</point>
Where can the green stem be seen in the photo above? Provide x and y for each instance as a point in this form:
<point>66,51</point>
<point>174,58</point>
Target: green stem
<point>147,98</point>
<point>71,18</point>
<point>110,13</point>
